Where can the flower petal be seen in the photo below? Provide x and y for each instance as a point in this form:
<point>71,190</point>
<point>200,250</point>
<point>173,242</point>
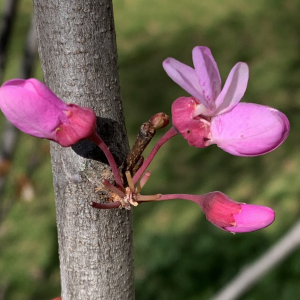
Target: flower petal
<point>234,88</point>
<point>38,88</point>
<point>208,74</point>
<point>33,108</point>
<point>185,77</point>
<point>194,130</point>
<point>251,218</point>
<point>25,109</point>
<point>80,125</point>
<point>249,129</point>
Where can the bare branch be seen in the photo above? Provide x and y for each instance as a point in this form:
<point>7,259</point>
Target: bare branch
<point>255,271</point>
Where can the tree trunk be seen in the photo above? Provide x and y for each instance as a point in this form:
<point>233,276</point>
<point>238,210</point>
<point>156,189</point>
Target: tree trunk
<point>77,47</point>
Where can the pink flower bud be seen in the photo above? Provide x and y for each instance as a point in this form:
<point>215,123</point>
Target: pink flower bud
<point>232,216</point>
<point>33,108</point>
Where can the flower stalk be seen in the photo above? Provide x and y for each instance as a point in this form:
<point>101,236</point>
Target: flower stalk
<point>100,143</point>
<point>168,135</point>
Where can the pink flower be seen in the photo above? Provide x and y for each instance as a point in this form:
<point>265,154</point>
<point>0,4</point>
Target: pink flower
<point>232,216</point>
<point>215,116</point>
<point>33,108</point>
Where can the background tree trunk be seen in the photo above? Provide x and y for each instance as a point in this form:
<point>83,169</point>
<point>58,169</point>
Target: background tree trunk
<point>78,53</point>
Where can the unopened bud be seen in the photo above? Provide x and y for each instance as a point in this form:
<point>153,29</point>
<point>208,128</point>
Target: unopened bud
<point>232,216</point>
<point>159,120</point>
<point>33,108</point>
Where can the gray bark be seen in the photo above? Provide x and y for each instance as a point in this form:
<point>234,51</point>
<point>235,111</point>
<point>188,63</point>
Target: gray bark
<point>78,53</point>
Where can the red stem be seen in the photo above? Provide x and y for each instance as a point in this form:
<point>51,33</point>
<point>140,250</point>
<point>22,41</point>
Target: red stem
<point>114,189</point>
<point>195,198</point>
<point>169,134</point>
<point>100,143</point>
<point>109,205</point>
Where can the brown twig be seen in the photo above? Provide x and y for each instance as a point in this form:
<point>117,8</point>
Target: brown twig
<point>145,135</point>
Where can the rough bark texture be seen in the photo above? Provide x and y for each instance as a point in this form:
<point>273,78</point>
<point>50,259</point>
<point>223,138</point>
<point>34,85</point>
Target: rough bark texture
<point>78,52</point>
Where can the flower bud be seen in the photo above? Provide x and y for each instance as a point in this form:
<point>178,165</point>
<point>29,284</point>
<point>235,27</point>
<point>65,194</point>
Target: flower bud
<point>159,120</point>
<point>232,216</point>
<point>33,108</point>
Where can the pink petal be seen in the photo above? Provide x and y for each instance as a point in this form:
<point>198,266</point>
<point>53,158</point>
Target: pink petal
<point>33,108</point>
<point>251,218</point>
<point>80,125</point>
<point>194,130</point>
<point>208,74</point>
<point>234,88</point>
<point>38,88</point>
<point>185,77</point>
<point>28,111</point>
<point>183,109</point>
<point>249,129</point>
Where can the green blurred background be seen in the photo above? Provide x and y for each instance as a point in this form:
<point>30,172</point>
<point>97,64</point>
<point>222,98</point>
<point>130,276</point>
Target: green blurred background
<point>178,254</point>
